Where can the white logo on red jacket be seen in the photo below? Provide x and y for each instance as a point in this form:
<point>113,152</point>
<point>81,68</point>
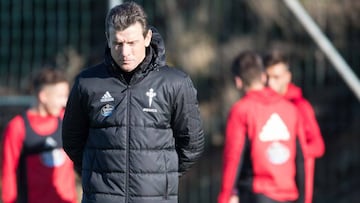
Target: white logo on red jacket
<point>274,132</point>
<point>274,129</point>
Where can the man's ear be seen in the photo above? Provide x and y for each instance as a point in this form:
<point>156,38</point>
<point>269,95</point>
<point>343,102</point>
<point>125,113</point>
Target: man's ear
<point>148,38</point>
<point>238,82</point>
<point>42,96</point>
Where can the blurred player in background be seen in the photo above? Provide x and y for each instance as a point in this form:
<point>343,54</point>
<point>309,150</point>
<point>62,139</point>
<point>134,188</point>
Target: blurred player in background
<point>263,157</point>
<point>279,79</point>
<point>35,168</point>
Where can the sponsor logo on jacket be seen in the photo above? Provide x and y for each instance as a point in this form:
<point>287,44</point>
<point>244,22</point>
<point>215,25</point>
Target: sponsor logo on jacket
<point>273,132</point>
<point>106,97</point>
<point>150,94</point>
<point>52,158</point>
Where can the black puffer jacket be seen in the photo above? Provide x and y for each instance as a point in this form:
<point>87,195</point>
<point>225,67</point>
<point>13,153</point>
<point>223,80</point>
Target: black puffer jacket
<point>132,141</point>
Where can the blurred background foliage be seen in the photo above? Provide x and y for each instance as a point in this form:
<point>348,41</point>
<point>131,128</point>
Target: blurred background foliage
<point>202,37</point>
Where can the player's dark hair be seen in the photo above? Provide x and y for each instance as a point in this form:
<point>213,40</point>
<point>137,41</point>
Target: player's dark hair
<point>248,66</point>
<point>47,76</point>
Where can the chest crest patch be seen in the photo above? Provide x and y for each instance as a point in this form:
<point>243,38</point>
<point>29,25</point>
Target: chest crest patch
<point>150,94</point>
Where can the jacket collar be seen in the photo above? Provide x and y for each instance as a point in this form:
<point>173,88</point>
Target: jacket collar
<point>265,95</point>
<point>293,92</point>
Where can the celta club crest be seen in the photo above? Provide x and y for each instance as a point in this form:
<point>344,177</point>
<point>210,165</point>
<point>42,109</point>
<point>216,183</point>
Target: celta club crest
<point>151,94</point>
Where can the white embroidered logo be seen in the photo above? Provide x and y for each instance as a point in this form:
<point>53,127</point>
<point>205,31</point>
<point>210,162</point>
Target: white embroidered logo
<point>151,94</point>
<point>106,97</point>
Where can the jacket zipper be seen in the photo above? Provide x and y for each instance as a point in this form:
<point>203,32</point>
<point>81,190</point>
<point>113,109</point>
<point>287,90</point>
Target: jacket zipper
<point>128,94</point>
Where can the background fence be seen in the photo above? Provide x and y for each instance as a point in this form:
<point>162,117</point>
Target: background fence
<point>202,37</point>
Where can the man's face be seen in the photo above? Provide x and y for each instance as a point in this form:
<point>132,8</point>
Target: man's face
<point>128,47</point>
<point>53,98</point>
<point>279,77</point>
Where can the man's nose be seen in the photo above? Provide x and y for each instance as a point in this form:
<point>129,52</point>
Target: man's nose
<point>126,50</point>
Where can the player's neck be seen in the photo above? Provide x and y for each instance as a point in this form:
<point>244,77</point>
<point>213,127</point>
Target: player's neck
<point>40,110</point>
<point>254,87</point>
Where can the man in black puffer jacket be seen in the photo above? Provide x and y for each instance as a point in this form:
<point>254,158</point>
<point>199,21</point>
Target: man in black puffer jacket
<point>132,124</point>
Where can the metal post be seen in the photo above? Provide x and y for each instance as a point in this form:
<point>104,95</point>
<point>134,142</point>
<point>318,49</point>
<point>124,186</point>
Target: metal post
<point>325,45</point>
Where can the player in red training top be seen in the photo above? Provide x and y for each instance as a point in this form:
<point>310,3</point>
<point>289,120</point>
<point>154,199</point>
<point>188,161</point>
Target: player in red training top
<point>262,160</point>
<point>34,166</point>
<point>279,79</point>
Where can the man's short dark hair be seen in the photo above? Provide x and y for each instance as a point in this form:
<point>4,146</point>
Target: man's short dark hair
<point>248,66</point>
<point>47,76</point>
<point>274,57</point>
<point>124,15</point>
